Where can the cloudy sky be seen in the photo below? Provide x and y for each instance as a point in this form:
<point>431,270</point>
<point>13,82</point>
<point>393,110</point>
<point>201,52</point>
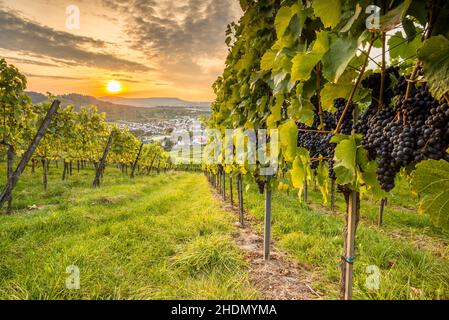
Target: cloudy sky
<point>155,48</point>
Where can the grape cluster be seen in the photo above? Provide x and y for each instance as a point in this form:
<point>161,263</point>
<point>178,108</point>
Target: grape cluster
<point>319,144</point>
<point>330,122</point>
<point>416,130</point>
<point>374,82</point>
<point>436,134</point>
<point>377,142</point>
<point>348,121</point>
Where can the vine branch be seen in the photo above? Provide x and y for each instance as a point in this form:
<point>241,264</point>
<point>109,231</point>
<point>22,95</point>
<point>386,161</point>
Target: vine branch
<point>314,130</point>
<point>383,74</point>
<point>318,94</point>
<point>359,80</point>
<point>426,36</point>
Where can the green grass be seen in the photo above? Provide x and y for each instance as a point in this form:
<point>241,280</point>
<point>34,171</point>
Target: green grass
<point>413,256</point>
<point>160,237</point>
<point>166,237</point>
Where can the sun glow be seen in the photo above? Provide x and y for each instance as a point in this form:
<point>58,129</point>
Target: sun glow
<point>114,86</point>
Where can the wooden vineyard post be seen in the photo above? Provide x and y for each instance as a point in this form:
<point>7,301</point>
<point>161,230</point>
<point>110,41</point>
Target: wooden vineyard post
<point>152,164</point>
<point>10,161</point>
<point>101,166</point>
<point>240,196</point>
<point>383,202</point>
<point>6,193</point>
<point>224,186</point>
<point>353,214</point>
<point>333,195</point>
<point>64,170</point>
<point>267,230</point>
<point>306,191</point>
<point>136,161</point>
<point>159,166</point>
<point>352,219</point>
<point>44,169</point>
<point>231,187</point>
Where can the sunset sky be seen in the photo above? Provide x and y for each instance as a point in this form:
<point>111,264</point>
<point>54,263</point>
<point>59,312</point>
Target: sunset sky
<point>162,48</point>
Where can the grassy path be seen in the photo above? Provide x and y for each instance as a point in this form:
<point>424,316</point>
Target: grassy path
<point>152,238</point>
<point>411,254</point>
<point>168,237</point>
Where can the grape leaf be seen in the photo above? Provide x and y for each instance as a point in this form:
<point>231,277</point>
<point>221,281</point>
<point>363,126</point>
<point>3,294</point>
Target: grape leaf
<point>306,112</point>
<point>352,19</point>
<point>283,19</point>
<point>431,181</point>
<point>434,55</point>
<point>341,89</point>
<point>298,173</point>
<point>304,62</point>
<point>337,58</point>
<point>302,108</point>
<point>401,48</point>
<point>346,161</point>
<point>267,61</point>
<point>394,17</point>
<point>300,170</point>
<point>288,134</point>
<point>369,176</point>
<point>329,11</point>
<point>322,174</point>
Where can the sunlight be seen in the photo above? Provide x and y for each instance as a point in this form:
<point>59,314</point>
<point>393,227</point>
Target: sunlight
<point>114,86</point>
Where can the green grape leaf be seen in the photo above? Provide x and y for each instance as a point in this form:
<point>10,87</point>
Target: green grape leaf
<point>322,174</point>
<point>337,58</point>
<point>434,55</point>
<point>298,173</point>
<point>401,48</point>
<point>369,176</point>
<point>304,62</point>
<point>352,19</point>
<point>418,10</point>
<point>282,20</point>
<point>346,161</point>
<point>267,61</point>
<point>306,112</point>
<point>394,17</point>
<point>341,89</point>
<point>277,108</point>
<point>409,28</point>
<point>300,170</point>
<point>431,181</point>
<point>302,108</point>
<point>288,134</point>
<point>329,11</point>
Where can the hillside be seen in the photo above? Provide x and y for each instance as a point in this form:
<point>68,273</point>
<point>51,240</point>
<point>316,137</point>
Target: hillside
<point>155,102</point>
<point>115,112</point>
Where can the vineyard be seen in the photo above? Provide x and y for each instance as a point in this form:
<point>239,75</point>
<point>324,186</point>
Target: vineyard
<point>349,121</point>
<point>356,96</point>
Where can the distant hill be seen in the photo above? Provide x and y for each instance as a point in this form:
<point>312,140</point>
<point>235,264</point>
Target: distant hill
<point>155,102</point>
<point>115,112</point>
<point>37,97</point>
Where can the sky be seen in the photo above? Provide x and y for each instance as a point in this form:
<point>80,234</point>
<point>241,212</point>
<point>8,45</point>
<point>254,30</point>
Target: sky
<point>154,48</point>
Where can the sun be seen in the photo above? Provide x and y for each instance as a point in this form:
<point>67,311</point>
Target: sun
<point>114,86</point>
